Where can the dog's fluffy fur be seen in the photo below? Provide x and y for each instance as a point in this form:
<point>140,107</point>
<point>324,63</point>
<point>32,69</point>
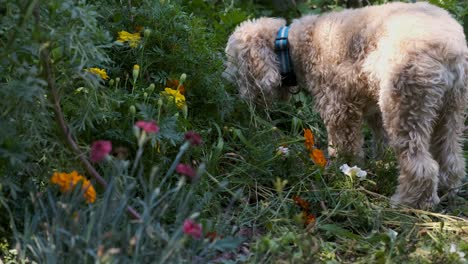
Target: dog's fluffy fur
<point>403,68</point>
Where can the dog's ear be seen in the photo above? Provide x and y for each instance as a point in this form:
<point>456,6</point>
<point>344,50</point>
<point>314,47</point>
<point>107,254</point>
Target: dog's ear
<point>252,59</point>
<point>258,62</point>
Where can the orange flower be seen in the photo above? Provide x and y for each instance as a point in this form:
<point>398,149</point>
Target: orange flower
<point>139,28</point>
<point>309,139</point>
<point>175,84</point>
<point>68,181</point>
<point>303,204</point>
<point>308,218</point>
<point>318,157</point>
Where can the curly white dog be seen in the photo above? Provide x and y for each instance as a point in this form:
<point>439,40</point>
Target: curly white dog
<point>403,68</point>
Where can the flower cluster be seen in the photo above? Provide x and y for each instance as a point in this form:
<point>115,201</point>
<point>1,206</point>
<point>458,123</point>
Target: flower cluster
<point>68,181</point>
<point>132,38</point>
<point>315,154</point>
<point>306,216</point>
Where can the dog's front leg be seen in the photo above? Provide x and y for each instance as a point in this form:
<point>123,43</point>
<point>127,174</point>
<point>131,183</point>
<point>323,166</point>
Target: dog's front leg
<point>343,121</point>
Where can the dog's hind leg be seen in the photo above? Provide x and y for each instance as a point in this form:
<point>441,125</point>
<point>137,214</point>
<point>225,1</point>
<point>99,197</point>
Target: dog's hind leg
<point>447,139</point>
<point>409,110</point>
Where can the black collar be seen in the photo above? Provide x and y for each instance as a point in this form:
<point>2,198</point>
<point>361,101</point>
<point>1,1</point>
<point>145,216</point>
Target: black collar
<point>288,77</point>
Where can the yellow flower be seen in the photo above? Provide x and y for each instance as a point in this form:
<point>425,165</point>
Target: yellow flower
<point>179,98</point>
<point>68,181</point>
<point>309,139</point>
<point>101,72</point>
<point>132,39</point>
<point>318,157</point>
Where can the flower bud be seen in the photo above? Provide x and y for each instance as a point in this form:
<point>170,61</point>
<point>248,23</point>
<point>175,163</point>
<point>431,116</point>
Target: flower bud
<point>185,111</point>
<point>183,77</point>
<point>151,88</point>
<point>136,131</point>
<point>117,79</point>
<point>160,102</point>
<point>132,110</point>
<point>136,72</point>
<point>145,95</point>
<point>147,33</point>
<point>111,82</point>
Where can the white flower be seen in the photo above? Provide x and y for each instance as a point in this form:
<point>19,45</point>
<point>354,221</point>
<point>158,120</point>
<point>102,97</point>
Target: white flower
<point>354,171</point>
<point>282,151</point>
<point>453,249</point>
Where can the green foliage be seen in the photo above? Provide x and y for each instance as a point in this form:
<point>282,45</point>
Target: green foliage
<point>244,193</point>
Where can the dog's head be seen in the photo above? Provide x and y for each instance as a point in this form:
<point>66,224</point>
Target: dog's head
<point>252,62</point>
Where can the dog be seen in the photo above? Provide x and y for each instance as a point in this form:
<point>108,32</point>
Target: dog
<point>400,67</point>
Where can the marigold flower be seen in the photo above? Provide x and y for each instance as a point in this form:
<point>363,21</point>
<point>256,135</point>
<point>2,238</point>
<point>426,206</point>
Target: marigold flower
<point>193,229</point>
<point>179,98</point>
<point>194,138</point>
<point>308,218</point>
<point>132,38</point>
<point>303,204</point>
<point>309,139</point>
<point>148,126</point>
<point>100,149</point>
<point>68,181</point>
<point>175,84</point>
<point>100,72</point>
<point>186,170</point>
<point>318,157</point>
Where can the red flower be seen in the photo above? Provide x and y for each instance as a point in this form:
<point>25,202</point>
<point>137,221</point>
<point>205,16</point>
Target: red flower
<point>193,137</point>
<point>186,170</point>
<point>100,149</point>
<point>191,228</point>
<point>148,126</point>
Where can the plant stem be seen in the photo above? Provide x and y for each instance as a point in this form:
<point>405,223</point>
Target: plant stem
<point>55,98</point>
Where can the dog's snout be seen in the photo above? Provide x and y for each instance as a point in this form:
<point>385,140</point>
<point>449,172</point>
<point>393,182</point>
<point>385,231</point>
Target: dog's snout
<point>228,73</point>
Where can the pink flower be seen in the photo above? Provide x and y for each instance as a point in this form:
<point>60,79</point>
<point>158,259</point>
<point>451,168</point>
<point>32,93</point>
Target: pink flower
<point>186,170</point>
<point>193,137</point>
<point>193,229</point>
<point>148,126</point>
<point>100,149</point>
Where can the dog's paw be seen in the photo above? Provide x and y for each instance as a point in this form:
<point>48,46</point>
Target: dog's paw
<point>430,203</point>
<point>424,203</point>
